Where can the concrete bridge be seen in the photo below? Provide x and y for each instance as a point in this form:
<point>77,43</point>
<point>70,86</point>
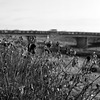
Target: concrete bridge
<point>81,37</point>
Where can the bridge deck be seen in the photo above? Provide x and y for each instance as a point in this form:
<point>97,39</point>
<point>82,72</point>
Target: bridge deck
<point>69,34</point>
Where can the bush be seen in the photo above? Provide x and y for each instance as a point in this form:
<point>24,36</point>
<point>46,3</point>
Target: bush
<point>43,77</point>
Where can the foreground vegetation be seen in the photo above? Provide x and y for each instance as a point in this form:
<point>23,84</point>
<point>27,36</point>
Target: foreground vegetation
<point>44,77</point>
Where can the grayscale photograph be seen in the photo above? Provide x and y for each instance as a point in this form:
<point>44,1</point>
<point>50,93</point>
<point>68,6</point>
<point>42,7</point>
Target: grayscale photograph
<point>49,50</point>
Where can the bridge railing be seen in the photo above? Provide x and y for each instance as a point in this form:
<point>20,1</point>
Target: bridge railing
<point>35,32</point>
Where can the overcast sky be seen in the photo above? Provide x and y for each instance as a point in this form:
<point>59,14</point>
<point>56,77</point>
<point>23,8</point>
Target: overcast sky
<point>67,15</point>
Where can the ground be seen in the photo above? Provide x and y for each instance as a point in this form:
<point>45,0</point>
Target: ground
<point>46,77</point>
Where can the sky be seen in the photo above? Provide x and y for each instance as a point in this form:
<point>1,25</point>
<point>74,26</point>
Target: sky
<point>64,15</point>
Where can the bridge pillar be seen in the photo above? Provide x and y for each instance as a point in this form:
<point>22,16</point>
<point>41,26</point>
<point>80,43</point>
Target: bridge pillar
<point>82,42</point>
